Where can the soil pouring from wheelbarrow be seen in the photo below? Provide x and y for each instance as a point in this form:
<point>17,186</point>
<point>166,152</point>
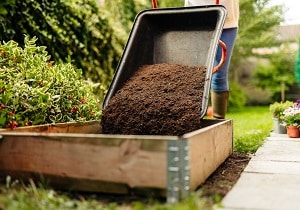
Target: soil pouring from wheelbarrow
<point>80,157</point>
<point>161,86</point>
<point>186,36</point>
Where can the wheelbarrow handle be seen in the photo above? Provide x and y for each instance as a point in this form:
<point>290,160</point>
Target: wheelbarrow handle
<point>223,58</point>
<point>154,4</point>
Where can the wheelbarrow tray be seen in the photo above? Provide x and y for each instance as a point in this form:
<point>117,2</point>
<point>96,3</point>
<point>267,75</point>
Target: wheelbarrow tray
<point>76,157</point>
<point>186,36</point>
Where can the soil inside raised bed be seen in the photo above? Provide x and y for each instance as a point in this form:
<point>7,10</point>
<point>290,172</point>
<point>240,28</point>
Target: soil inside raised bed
<point>159,99</point>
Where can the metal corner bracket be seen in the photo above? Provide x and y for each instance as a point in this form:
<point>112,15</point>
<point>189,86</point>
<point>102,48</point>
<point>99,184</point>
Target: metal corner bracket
<point>178,170</point>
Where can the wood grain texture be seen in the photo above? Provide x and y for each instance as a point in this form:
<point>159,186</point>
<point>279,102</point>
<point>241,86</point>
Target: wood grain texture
<point>208,149</point>
<point>110,163</point>
<point>70,127</point>
<point>124,162</point>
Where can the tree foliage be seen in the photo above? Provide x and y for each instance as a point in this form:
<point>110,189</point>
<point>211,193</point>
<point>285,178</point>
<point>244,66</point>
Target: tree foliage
<point>279,70</point>
<point>256,27</point>
<point>120,15</point>
<point>3,4</point>
<point>170,3</point>
<point>76,30</point>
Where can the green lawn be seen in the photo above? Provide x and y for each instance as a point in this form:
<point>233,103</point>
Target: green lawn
<point>251,126</point>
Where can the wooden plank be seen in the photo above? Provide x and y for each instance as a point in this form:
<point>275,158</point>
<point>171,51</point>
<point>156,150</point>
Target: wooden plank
<point>208,149</point>
<point>124,163</point>
<point>70,127</point>
<point>150,143</point>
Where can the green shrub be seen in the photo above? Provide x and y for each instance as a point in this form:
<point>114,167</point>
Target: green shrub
<point>237,98</point>
<point>76,30</point>
<point>277,108</point>
<point>34,91</point>
<point>3,4</point>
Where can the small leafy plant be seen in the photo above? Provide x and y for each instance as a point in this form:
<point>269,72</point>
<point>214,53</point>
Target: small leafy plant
<point>35,91</point>
<point>277,108</point>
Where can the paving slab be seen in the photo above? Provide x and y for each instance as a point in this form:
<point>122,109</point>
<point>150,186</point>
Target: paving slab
<point>278,151</point>
<point>273,167</point>
<point>265,191</point>
<point>271,180</point>
<point>275,136</point>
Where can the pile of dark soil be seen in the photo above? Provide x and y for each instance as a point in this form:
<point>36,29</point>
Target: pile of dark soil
<point>159,99</point>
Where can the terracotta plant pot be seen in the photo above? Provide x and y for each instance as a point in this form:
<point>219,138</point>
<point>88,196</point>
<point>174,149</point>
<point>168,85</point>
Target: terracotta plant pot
<point>293,131</point>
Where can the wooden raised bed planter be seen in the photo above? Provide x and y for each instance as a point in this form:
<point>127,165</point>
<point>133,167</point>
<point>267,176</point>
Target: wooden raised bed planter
<point>77,157</point>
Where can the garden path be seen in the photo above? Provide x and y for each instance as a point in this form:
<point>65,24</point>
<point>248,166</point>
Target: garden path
<point>271,180</point>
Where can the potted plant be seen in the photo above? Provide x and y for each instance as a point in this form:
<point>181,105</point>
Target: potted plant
<point>291,119</point>
<point>34,91</point>
<point>277,109</point>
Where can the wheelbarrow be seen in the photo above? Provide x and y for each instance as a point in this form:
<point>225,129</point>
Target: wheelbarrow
<point>184,35</point>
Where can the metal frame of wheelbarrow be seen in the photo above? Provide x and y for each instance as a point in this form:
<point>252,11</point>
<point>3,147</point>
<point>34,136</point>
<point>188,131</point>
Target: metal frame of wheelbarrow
<point>183,35</point>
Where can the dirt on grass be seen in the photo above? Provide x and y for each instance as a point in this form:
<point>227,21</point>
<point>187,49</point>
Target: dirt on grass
<point>223,179</point>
